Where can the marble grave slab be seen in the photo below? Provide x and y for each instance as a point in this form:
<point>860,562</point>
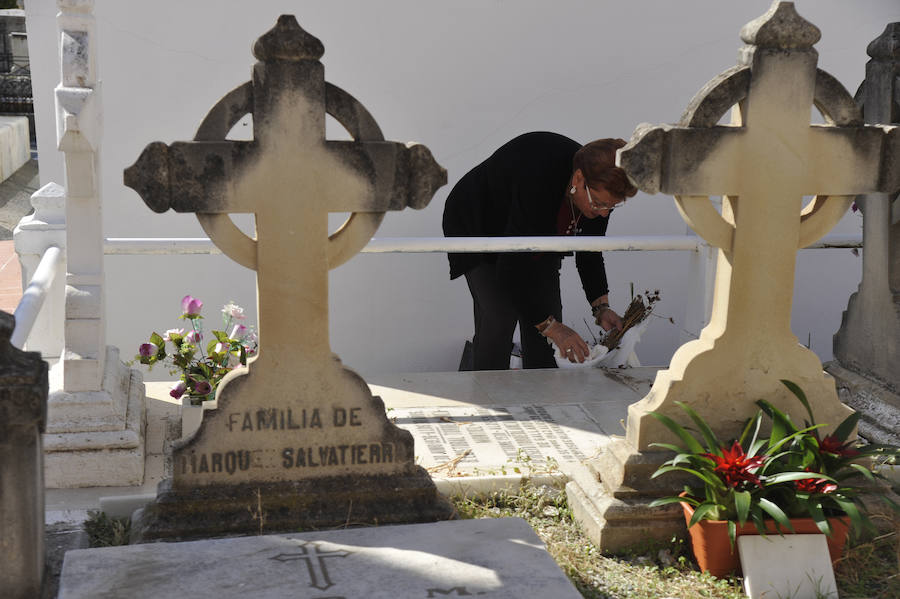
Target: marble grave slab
<point>492,558</point>
<point>498,439</point>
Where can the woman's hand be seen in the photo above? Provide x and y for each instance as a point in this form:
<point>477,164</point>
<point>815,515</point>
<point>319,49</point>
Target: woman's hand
<point>607,319</point>
<point>570,343</point>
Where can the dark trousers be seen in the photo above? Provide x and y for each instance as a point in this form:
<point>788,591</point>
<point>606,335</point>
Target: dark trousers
<point>495,323</point>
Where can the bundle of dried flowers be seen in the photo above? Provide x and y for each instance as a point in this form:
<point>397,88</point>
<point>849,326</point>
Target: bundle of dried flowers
<point>638,311</point>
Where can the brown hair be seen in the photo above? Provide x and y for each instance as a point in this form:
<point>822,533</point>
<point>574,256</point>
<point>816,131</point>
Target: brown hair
<point>597,161</point>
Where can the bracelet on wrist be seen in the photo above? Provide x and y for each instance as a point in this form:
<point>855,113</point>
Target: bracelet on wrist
<point>601,307</point>
<point>546,324</point>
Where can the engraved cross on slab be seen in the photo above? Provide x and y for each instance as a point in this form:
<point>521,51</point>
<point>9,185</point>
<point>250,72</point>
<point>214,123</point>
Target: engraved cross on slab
<point>315,562</point>
<point>296,411</point>
<point>762,164</point>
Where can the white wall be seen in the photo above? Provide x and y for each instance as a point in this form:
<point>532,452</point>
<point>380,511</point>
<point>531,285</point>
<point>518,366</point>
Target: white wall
<point>462,77</point>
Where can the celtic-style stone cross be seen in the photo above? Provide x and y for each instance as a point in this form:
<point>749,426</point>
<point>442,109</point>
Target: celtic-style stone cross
<point>763,164</point>
<point>295,414</point>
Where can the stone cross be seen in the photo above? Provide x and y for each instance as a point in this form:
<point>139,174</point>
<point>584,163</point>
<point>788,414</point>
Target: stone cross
<point>295,414</point>
<point>763,163</point>
<point>23,416</point>
<point>868,342</point>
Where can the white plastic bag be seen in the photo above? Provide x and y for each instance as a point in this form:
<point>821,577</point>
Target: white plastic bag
<point>623,355</point>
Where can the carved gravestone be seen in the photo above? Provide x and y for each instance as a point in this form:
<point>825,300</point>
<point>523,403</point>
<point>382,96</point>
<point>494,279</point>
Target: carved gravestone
<point>23,416</point>
<point>297,439</point>
<point>763,163</point>
<point>867,346</point>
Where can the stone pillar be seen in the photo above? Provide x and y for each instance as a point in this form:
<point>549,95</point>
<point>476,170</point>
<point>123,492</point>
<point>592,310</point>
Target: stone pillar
<point>96,411</point>
<point>23,413</point>
<point>867,346</point>
<point>44,228</point>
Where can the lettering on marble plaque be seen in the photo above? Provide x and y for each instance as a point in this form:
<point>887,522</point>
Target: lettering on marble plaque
<point>494,435</point>
<point>314,558</point>
<point>337,455</point>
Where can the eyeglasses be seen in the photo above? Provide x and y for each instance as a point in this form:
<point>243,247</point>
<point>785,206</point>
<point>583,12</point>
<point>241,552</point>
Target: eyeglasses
<point>618,204</point>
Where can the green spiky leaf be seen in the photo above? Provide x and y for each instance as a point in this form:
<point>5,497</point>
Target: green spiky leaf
<point>692,445</point>
<point>776,512</point>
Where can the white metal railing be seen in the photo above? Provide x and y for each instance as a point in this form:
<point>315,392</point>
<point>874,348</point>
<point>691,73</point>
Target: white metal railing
<point>33,297</point>
<point>702,266</point>
<point>202,245</point>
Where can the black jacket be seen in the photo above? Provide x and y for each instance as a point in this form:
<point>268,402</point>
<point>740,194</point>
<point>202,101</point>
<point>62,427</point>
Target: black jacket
<point>518,191</point>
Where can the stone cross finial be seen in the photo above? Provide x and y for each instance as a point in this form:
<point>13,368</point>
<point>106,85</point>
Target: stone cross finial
<point>879,94</point>
<point>887,45</point>
<point>295,414</point>
<point>781,27</point>
<point>763,164</point>
<point>288,41</point>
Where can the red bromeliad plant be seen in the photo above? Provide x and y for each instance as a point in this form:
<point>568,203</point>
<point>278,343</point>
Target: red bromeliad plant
<point>794,473</point>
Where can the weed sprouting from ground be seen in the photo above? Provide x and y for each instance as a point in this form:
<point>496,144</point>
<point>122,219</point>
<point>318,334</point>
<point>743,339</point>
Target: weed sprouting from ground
<point>104,531</point>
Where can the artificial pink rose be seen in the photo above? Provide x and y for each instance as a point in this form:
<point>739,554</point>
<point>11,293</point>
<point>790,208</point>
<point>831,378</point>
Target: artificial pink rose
<point>202,388</point>
<point>178,390</point>
<point>191,306</point>
<point>170,332</point>
<point>232,310</point>
<point>220,348</point>
<point>238,331</point>
<point>148,350</point>
<point>193,336</point>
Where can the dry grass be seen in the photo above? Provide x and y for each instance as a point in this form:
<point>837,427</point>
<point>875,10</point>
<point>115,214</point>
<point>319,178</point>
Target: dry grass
<point>653,571</point>
<point>871,569</point>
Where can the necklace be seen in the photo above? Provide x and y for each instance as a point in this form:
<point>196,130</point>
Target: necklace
<point>573,228</point>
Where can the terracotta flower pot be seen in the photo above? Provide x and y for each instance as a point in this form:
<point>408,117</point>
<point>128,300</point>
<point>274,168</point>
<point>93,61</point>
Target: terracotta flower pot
<point>714,552</point>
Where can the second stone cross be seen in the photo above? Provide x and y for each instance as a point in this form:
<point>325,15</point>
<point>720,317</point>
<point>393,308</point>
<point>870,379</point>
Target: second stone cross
<point>297,439</point>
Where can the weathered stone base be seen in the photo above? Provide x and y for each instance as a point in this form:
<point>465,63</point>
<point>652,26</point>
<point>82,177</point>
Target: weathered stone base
<point>295,506</point>
<point>877,404</point>
<point>110,457</point>
<point>610,498</point>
